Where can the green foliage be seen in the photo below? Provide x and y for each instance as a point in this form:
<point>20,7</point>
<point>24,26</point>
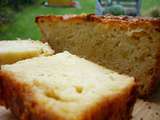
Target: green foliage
<point>154,12</point>
<point>8,8</point>
<point>6,15</point>
<point>15,4</point>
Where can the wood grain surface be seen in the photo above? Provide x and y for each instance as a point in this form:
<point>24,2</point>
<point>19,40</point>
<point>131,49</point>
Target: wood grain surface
<point>143,110</point>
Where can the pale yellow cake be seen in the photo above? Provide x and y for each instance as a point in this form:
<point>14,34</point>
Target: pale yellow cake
<point>13,51</point>
<point>66,87</point>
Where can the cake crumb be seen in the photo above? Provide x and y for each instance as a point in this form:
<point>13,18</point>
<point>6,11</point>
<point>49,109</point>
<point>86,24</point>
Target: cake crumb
<point>149,107</point>
<point>157,113</point>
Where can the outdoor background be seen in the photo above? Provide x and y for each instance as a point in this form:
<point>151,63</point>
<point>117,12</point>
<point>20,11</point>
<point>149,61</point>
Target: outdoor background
<point>19,23</point>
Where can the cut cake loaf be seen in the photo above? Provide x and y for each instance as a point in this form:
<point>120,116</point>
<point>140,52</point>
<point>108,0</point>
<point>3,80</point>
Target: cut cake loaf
<point>124,44</point>
<point>66,87</point>
<point>13,51</point>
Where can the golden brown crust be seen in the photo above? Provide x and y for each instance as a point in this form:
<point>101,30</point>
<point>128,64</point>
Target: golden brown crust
<point>122,21</point>
<point>155,82</point>
<point>20,99</point>
<point>122,105</point>
<point>1,94</point>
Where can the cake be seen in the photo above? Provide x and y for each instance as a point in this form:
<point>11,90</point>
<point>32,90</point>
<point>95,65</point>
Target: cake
<point>13,51</point>
<point>129,45</point>
<point>66,87</point>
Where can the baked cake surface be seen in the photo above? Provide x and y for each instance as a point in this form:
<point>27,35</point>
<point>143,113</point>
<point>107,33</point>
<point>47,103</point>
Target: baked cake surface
<point>129,45</point>
<point>66,87</point>
<point>13,51</point>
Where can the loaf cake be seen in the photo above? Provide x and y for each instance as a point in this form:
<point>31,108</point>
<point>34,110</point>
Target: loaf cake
<point>13,51</point>
<point>123,44</point>
<point>66,87</point>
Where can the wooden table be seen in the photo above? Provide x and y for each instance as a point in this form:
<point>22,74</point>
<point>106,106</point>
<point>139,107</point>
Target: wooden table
<point>143,110</point>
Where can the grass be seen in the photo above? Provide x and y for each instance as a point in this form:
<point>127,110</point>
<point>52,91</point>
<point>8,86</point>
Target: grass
<point>148,4</point>
<point>23,25</point>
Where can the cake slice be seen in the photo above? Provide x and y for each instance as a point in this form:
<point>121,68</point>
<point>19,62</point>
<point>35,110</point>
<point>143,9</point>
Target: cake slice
<point>124,44</point>
<point>66,87</point>
<point>13,51</point>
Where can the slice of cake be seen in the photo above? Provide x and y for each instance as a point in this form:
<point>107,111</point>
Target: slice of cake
<point>66,87</point>
<point>124,44</point>
<point>13,51</point>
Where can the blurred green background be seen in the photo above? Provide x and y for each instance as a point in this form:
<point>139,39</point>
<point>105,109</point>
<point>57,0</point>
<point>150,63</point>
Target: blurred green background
<point>21,23</point>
